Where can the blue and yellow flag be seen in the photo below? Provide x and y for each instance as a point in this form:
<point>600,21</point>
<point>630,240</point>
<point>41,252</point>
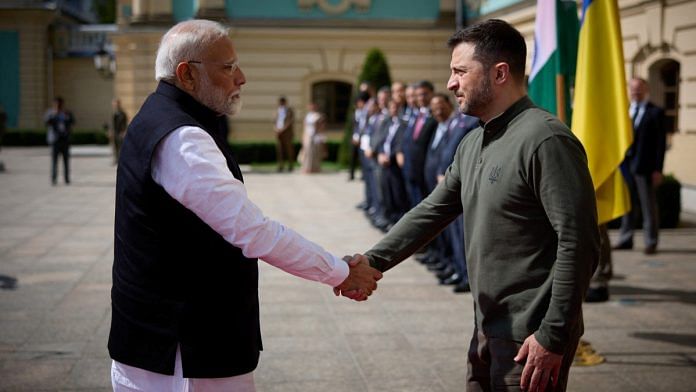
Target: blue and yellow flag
<point>600,106</point>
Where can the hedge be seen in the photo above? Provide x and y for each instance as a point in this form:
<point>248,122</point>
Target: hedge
<point>245,151</point>
<point>265,151</point>
<point>37,137</point>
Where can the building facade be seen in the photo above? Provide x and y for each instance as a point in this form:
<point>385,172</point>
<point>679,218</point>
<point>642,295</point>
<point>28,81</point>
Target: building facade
<point>306,50</point>
<point>313,50</point>
<point>48,49</point>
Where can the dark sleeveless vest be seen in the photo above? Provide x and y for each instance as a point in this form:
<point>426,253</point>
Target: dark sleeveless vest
<point>175,280</point>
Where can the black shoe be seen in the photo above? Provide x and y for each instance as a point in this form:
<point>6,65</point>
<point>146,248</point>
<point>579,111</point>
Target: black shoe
<point>650,250</point>
<point>623,246</point>
<point>362,205</point>
<point>453,280</point>
<point>445,274</point>
<point>438,266</point>
<point>599,294</point>
<point>380,223</point>
<point>423,257</point>
<point>462,287</point>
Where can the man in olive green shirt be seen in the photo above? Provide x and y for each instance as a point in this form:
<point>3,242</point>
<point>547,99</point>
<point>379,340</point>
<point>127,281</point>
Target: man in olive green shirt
<point>532,240</point>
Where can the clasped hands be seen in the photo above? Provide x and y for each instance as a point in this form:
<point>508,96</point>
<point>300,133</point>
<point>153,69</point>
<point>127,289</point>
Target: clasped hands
<point>361,281</point>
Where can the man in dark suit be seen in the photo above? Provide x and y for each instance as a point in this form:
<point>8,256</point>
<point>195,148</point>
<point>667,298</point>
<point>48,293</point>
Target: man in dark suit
<point>642,167</point>
<point>459,126</point>
<point>393,186</point>
<point>415,144</point>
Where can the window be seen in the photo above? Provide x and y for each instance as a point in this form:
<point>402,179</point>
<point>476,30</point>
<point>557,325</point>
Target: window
<point>333,99</point>
<point>664,90</point>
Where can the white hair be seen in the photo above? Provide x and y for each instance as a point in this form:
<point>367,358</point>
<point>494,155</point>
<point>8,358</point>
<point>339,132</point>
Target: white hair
<point>186,41</point>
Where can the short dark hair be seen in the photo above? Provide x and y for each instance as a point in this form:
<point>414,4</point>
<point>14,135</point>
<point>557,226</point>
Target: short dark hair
<point>494,40</point>
<point>363,96</point>
<point>424,84</point>
<point>444,97</point>
<point>282,100</point>
<point>59,100</point>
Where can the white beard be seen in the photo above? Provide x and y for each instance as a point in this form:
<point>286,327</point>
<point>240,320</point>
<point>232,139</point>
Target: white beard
<point>214,98</point>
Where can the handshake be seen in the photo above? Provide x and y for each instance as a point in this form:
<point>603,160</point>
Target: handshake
<point>361,281</point>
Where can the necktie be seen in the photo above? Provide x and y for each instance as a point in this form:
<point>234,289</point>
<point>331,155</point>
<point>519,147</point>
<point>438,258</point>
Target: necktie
<point>418,126</point>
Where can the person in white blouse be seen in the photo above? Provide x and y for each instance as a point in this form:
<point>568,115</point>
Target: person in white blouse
<point>185,276</point>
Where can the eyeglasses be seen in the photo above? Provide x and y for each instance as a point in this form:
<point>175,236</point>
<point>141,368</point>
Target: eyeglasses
<point>228,68</point>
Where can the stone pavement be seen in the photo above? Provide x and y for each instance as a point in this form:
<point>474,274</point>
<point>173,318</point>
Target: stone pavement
<point>57,242</point>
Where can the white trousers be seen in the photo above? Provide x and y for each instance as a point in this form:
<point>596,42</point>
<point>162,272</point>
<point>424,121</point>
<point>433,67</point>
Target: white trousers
<point>126,378</point>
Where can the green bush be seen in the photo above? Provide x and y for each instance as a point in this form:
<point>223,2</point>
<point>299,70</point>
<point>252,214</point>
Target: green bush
<point>668,195</point>
<point>37,137</point>
<point>669,202</point>
<point>246,152</point>
<point>265,151</point>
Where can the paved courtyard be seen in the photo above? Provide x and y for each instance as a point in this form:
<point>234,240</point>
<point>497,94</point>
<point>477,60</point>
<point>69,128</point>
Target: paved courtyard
<point>57,242</point>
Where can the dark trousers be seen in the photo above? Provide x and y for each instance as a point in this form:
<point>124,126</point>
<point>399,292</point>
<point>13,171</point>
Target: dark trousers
<point>490,365</point>
<point>354,159</point>
<point>643,201</point>
<point>368,166</point>
<point>394,193</point>
<point>456,236</point>
<point>604,271</point>
<point>60,147</point>
<point>285,151</point>
<point>415,192</point>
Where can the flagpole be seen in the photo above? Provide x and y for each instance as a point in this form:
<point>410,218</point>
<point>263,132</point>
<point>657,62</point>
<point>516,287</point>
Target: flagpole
<point>561,98</point>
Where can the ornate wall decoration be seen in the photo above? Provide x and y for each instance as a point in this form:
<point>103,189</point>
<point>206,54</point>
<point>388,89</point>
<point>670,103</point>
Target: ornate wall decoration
<point>335,8</point>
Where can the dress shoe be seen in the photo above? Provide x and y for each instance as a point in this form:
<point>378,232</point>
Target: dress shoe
<point>445,274</point>
<point>453,280</point>
<point>623,246</point>
<point>598,294</point>
<point>462,287</point>
<point>439,266</point>
<point>650,250</point>
<point>380,223</point>
<point>423,257</point>
<point>362,205</point>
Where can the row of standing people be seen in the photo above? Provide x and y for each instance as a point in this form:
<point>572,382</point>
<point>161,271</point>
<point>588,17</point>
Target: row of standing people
<point>405,138</point>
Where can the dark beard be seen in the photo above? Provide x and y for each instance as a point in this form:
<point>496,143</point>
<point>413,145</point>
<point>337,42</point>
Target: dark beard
<point>478,99</point>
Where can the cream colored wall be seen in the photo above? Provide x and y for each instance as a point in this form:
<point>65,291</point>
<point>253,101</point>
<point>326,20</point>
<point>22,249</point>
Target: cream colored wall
<point>86,93</point>
<point>655,31</point>
<point>135,67</point>
<point>33,63</point>
<point>286,61</point>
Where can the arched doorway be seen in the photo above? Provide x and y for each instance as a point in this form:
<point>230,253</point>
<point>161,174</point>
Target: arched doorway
<point>664,78</point>
<point>333,99</point>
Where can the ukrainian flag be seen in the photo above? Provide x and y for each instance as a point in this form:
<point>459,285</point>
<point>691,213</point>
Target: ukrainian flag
<point>600,106</point>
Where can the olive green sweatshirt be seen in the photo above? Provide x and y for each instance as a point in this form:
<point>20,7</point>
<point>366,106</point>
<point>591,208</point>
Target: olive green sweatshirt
<point>530,222</point>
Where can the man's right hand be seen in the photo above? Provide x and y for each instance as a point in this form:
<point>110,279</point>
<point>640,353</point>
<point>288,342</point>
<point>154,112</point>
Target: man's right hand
<point>361,281</point>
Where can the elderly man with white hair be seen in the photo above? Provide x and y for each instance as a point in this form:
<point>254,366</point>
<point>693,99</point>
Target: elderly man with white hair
<point>185,308</point>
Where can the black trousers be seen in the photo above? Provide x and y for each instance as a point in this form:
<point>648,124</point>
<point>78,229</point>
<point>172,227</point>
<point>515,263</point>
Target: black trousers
<point>60,147</point>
